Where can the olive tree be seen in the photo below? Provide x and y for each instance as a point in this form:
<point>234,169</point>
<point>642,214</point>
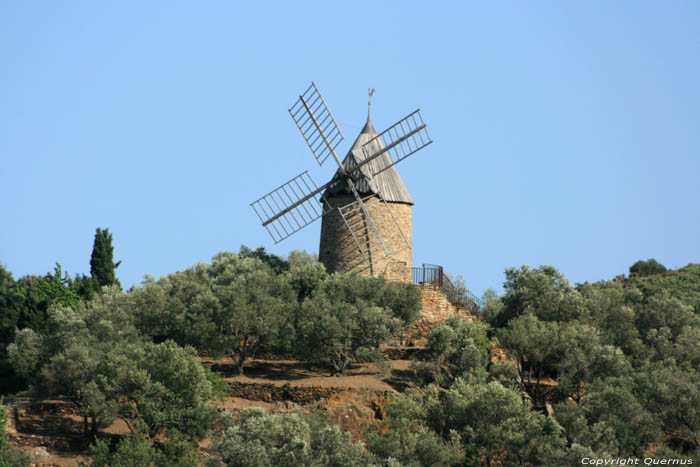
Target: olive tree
<point>543,292</point>
<point>285,440</point>
<point>163,387</point>
<point>454,348</point>
<point>95,358</point>
<point>413,431</point>
<point>338,324</point>
<point>469,424</point>
<point>236,306</point>
<point>250,304</point>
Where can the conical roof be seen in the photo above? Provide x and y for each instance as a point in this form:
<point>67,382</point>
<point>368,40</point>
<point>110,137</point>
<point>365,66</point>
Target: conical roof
<point>388,183</point>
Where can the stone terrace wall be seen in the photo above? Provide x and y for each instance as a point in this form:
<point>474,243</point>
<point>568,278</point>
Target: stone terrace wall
<point>436,309</point>
<point>301,395</point>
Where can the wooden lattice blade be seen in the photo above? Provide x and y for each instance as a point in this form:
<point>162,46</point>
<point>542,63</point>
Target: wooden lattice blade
<point>316,123</point>
<point>404,138</point>
<point>290,207</point>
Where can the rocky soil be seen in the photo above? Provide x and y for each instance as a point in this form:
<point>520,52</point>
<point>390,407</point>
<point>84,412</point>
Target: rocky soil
<point>51,432</point>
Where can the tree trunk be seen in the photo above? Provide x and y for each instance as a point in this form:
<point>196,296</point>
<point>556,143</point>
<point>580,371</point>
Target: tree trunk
<point>242,357</point>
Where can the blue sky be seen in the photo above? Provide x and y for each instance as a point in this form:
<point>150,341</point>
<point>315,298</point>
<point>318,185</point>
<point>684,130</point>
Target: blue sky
<point>565,133</point>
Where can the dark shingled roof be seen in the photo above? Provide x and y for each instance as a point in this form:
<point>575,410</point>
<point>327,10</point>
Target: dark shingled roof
<point>388,184</point>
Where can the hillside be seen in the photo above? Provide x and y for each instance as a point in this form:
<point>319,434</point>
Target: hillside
<point>683,283</point>
<point>234,362</point>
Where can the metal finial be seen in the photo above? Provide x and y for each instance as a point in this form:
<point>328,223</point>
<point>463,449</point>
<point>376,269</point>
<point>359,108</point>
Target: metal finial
<point>370,91</point>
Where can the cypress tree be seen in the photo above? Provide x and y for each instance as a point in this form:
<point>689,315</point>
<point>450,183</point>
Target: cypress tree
<point>102,264</point>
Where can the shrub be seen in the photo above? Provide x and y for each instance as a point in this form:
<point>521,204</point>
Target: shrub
<point>285,440</point>
<point>647,268</point>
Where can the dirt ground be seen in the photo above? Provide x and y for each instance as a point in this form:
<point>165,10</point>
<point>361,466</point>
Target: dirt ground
<point>52,434</point>
<point>294,373</point>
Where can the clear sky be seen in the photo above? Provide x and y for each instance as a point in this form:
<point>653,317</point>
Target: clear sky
<point>565,133</point>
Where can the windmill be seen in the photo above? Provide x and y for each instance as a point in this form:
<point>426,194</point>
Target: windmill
<point>361,229</point>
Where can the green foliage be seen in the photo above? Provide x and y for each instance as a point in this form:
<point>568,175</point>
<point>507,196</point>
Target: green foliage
<point>26,301</point>
<point>647,268</point>
<point>219,387</point>
<point>291,440</point>
<point>495,425</point>
<point>102,263</point>
<point>657,325</point>
<point>72,356</point>
<point>622,355</point>
<point>237,306</point>
<point>339,323</point>
<point>683,284</point>
<point>412,431</point>
<point>138,450</point>
<point>403,300</point>
<point>301,258</point>
<point>412,448</point>
<point>176,307</point>
<point>164,387</point>
<point>662,320</point>
<point>534,344</point>
<point>571,352</point>
<point>472,424</point>
<point>77,374</point>
<point>24,304</point>
<point>543,292</point>
<point>455,348</point>
<point>95,357</point>
<point>306,279</point>
<point>614,402</point>
<point>250,304</point>
<point>244,304</point>
<point>276,263</point>
<point>624,351</point>
<point>493,307</point>
<point>84,286</point>
<point>611,309</point>
<point>131,451</point>
<point>25,353</point>
<point>598,436</point>
<point>9,457</point>
<point>672,393</point>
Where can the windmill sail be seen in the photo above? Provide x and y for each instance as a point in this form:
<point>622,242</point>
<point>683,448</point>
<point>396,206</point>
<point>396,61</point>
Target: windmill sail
<point>316,123</point>
<point>407,136</point>
<point>289,208</point>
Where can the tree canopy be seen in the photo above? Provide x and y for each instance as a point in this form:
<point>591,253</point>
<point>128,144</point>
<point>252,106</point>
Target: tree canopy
<point>102,263</point>
<point>550,373</point>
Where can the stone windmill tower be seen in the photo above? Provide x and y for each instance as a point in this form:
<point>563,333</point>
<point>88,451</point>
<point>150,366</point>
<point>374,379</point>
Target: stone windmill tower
<point>387,201</point>
<point>366,208</point>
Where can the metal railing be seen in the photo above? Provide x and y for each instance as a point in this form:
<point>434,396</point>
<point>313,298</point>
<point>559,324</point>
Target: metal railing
<point>434,274</point>
<point>428,274</point>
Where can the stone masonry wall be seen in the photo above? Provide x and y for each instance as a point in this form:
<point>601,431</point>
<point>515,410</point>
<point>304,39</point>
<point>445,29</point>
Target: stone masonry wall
<point>340,253</point>
<point>436,309</point>
<point>302,395</point>
<point>436,306</point>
